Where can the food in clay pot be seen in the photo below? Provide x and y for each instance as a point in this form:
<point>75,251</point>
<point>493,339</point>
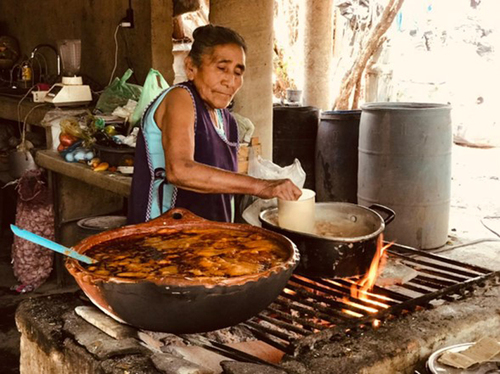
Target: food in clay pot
<point>193,252</point>
<point>180,273</point>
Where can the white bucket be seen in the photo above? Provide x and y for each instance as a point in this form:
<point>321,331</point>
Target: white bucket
<point>298,215</point>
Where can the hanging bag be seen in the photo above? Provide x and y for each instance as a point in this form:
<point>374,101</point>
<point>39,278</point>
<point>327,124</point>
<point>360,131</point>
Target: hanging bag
<point>32,263</point>
<point>118,93</point>
<point>153,86</point>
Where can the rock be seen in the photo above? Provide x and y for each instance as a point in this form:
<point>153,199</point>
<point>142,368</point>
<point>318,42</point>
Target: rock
<point>170,364</point>
<point>234,367</point>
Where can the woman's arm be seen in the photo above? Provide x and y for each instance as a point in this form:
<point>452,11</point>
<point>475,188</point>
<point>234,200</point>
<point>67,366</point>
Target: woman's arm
<point>175,117</point>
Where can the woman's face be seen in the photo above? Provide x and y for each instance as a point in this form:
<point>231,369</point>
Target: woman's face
<point>220,74</point>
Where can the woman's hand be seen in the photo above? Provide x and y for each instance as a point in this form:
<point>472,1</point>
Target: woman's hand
<point>281,188</point>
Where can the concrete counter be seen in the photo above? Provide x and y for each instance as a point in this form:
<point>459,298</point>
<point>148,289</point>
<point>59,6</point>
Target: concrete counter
<point>79,192</point>
<point>109,181</point>
<point>9,107</point>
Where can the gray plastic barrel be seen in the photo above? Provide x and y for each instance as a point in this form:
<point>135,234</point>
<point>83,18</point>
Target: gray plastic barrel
<point>405,164</point>
<point>337,156</point>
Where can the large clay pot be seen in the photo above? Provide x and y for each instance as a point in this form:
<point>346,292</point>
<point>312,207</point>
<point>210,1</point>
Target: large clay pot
<point>182,305</point>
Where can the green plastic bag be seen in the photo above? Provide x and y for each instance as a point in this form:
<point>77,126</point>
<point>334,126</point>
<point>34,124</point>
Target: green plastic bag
<point>153,85</point>
<point>118,94</point>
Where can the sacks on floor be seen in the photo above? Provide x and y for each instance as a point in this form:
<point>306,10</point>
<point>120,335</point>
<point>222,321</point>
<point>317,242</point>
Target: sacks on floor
<point>31,262</point>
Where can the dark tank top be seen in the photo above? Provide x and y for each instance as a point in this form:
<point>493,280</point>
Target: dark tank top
<point>210,148</point>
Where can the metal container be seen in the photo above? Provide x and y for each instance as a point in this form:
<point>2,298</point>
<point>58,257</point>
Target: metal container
<point>337,156</point>
<point>405,164</point>
<point>20,162</point>
<point>94,225</point>
<point>341,256</point>
<point>187,304</point>
<point>435,367</point>
<point>114,156</point>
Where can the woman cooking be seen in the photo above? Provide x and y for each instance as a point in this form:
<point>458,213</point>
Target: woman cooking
<point>186,153</point>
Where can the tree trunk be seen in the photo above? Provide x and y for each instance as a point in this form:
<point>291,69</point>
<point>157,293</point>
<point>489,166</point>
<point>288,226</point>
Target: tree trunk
<point>390,12</point>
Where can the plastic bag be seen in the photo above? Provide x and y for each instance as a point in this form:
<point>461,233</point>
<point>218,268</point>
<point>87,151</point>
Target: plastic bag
<point>261,168</point>
<point>71,127</point>
<point>54,117</point>
<point>153,85</point>
<point>118,93</point>
<point>245,128</point>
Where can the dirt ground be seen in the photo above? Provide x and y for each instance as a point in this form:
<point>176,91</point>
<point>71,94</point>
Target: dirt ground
<point>474,229</point>
<point>474,225</point>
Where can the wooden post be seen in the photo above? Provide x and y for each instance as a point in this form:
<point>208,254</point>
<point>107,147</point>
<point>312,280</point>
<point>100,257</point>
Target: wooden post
<point>254,21</point>
<point>318,53</point>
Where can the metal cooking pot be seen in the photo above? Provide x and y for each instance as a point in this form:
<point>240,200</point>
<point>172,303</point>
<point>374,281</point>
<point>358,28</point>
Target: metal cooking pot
<point>345,255</point>
<point>182,305</point>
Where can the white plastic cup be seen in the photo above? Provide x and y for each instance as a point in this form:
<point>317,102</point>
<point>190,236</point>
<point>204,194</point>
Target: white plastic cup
<point>298,215</point>
<point>293,96</point>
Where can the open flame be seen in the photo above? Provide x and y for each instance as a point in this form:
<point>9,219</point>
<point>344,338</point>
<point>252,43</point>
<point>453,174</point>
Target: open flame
<point>359,290</point>
<point>362,300</point>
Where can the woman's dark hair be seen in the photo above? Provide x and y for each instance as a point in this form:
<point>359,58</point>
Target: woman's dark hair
<point>208,36</point>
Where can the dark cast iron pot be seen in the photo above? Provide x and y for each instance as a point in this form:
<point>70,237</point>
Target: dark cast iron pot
<point>182,305</point>
<point>336,257</point>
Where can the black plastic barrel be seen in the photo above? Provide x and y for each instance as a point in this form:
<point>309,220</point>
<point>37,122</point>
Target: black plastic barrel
<point>294,136</point>
<point>337,156</point>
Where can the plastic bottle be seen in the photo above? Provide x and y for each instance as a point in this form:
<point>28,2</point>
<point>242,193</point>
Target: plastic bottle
<point>26,73</point>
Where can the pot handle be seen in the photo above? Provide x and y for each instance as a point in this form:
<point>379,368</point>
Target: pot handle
<point>390,213</point>
<point>175,216</point>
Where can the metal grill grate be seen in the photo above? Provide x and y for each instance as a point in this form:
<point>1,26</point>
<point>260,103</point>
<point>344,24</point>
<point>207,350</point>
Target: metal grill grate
<point>312,309</point>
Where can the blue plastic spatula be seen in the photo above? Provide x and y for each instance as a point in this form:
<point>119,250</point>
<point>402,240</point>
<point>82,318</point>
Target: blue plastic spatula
<point>34,238</point>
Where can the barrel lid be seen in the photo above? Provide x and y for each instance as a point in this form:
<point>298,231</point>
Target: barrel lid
<point>410,106</point>
<point>295,108</point>
<point>340,114</point>
<point>102,223</point>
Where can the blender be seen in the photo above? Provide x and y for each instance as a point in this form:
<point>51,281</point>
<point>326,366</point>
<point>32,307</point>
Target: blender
<point>71,90</point>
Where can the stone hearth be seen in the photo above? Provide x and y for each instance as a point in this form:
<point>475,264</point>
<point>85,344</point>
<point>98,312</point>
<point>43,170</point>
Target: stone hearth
<point>56,339</point>
<point>51,341</point>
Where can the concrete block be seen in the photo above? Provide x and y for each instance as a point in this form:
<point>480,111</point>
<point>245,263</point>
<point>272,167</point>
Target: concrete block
<point>234,367</point>
<point>98,343</point>
<point>132,364</point>
<point>170,364</point>
<point>200,356</point>
<point>156,340</point>
<point>259,349</point>
<point>105,323</point>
